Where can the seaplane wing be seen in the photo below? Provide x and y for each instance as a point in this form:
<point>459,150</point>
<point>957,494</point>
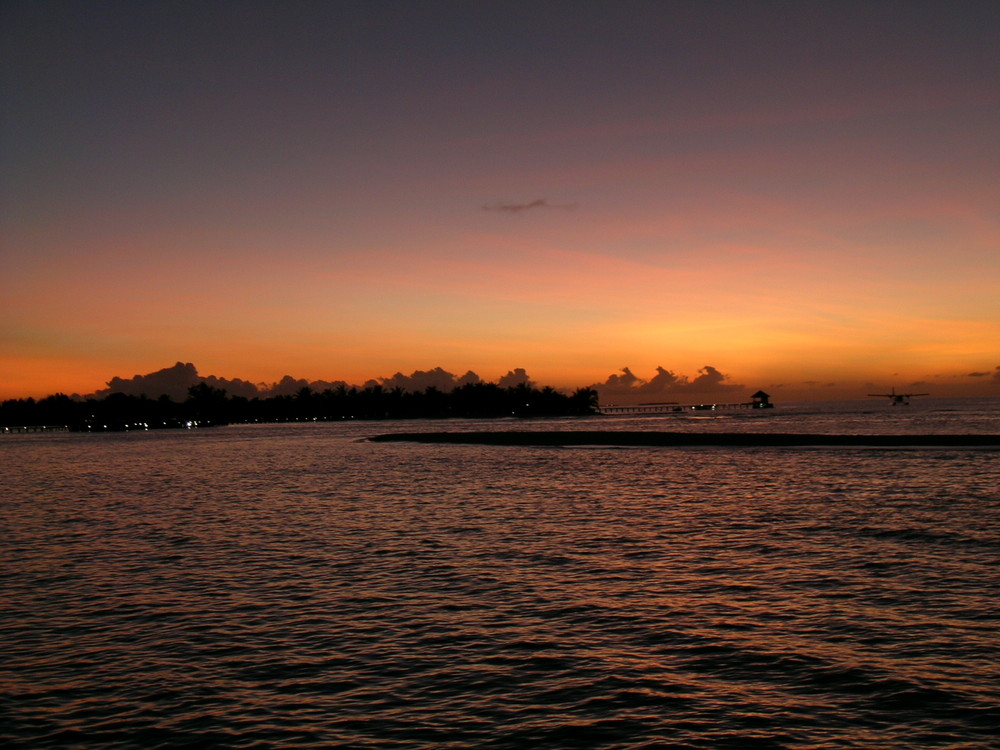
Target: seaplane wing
<point>898,398</point>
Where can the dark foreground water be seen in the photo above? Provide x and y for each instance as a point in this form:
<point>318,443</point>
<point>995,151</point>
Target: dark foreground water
<point>290,586</point>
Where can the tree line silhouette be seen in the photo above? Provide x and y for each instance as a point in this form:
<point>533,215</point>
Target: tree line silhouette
<point>207,406</point>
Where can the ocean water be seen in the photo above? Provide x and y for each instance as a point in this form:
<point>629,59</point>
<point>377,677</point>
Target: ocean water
<point>296,586</point>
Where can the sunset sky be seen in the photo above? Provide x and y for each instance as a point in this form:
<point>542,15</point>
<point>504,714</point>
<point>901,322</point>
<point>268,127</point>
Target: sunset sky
<point>803,195</point>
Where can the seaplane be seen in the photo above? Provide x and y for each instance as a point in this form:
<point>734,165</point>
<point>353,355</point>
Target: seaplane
<point>898,398</point>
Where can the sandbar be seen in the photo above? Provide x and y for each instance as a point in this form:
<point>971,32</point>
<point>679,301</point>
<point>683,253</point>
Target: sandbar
<point>689,439</point>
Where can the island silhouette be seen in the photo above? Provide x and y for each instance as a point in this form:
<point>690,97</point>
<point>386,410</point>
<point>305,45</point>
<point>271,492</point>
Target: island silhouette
<point>207,406</point>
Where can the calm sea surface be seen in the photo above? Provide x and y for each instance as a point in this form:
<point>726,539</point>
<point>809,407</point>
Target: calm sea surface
<point>294,586</point>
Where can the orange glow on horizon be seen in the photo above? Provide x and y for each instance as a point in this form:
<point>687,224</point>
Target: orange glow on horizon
<point>349,215</point>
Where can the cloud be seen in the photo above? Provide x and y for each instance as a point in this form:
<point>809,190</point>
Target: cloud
<point>666,383</point>
<point>708,378</point>
<point>514,378</point>
<point>625,382</point>
<point>170,381</point>
<point>421,380</point>
<point>445,381</point>
<point>513,208</point>
<point>234,387</point>
<point>664,380</point>
<point>175,381</point>
<point>289,386</point>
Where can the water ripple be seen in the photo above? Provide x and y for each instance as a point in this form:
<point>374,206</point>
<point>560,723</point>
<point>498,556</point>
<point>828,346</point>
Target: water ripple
<point>300,589</point>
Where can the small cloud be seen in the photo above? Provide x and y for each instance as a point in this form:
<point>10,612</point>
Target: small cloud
<point>994,375</point>
<point>513,208</point>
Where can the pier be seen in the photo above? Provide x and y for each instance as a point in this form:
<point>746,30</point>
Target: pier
<point>669,408</point>
<point>759,400</point>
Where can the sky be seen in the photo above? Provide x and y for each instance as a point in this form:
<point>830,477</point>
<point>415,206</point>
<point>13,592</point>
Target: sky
<point>796,196</point>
